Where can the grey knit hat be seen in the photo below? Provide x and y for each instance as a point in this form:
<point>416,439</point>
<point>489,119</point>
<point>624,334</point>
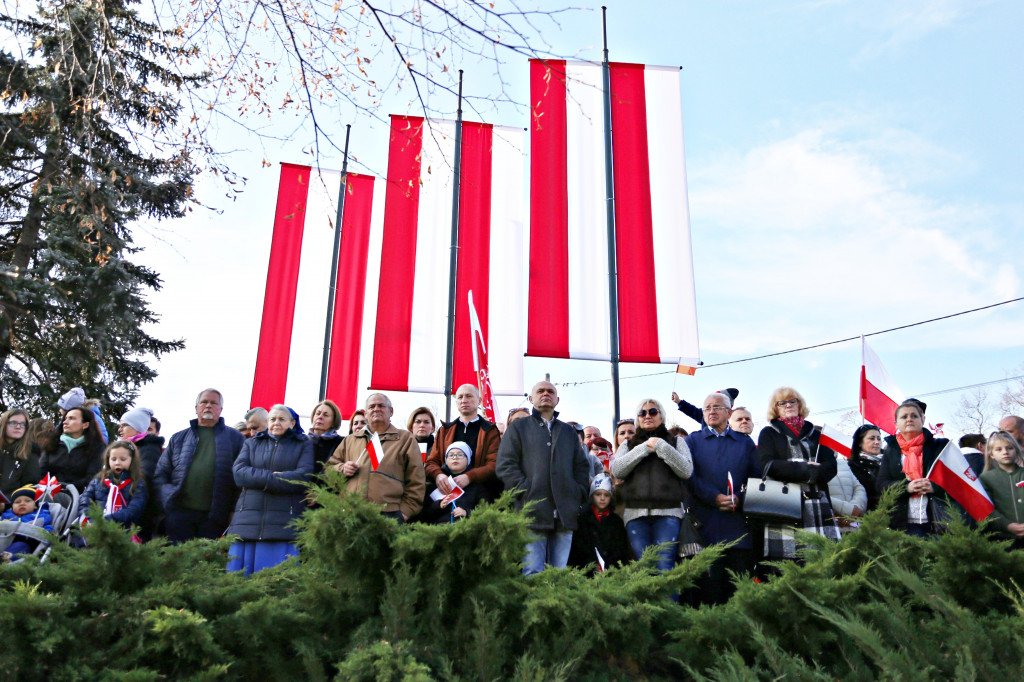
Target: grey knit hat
<point>138,418</point>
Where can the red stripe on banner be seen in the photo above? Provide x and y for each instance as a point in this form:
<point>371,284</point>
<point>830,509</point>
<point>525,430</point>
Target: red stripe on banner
<point>347,325</point>
<point>271,376</point>
<point>474,262</point>
<point>634,237</point>
<point>875,406</point>
<point>976,504</point>
<point>398,256</point>
<point>548,312</point>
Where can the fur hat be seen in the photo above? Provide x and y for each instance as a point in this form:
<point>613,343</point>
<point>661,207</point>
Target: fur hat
<point>72,399</point>
<point>601,482</point>
<point>460,445</point>
<point>138,418</point>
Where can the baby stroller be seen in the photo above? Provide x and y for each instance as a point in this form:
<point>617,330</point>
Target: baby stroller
<point>63,508</point>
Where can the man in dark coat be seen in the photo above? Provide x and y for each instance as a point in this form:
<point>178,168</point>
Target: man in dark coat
<point>193,481</point>
<point>717,453</point>
<point>544,458</point>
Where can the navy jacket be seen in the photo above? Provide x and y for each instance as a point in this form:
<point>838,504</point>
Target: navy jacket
<point>127,515</point>
<point>271,501</point>
<point>551,468</point>
<point>714,458</point>
<point>177,458</point>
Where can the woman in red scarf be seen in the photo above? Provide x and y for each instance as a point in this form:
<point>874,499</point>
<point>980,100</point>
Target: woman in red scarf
<point>789,449</point>
<point>906,459</point>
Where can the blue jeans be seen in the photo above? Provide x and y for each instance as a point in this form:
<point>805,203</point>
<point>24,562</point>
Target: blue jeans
<point>655,530</point>
<point>549,548</point>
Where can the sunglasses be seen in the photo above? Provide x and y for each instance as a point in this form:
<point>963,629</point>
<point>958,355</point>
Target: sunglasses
<point>652,412</point>
<point>624,421</point>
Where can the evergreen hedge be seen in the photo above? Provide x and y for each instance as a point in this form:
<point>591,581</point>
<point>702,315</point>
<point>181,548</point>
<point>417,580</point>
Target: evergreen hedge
<point>374,601</point>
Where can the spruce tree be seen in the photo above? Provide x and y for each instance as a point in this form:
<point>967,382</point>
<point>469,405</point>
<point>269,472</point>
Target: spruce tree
<point>90,142</point>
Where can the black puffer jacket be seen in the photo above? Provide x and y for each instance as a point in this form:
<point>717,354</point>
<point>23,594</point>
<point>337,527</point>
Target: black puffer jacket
<point>15,473</point>
<point>77,467</point>
<point>150,448</point>
<point>266,471</point>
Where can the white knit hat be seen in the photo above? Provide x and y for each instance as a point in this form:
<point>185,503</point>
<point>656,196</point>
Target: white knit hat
<point>138,418</point>
<point>460,445</point>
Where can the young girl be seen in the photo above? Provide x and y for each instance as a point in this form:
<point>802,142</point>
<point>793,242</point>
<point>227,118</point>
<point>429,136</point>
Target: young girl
<point>457,460</point>
<point>1003,479</point>
<point>119,488</point>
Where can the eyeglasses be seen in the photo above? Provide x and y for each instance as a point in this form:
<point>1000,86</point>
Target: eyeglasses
<point>652,412</point>
<point>18,425</point>
<point>787,403</point>
<point>716,408</point>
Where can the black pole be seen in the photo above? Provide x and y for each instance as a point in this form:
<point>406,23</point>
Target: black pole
<point>454,260</point>
<point>609,181</point>
<point>332,290</point>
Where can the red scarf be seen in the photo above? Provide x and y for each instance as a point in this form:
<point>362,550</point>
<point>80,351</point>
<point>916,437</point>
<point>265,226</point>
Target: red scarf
<point>600,514</point>
<point>115,498</point>
<point>913,455</point>
<point>795,424</point>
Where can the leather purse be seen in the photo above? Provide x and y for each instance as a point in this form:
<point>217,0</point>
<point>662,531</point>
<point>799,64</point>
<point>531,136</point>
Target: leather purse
<point>689,543</point>
<point>771,500</point>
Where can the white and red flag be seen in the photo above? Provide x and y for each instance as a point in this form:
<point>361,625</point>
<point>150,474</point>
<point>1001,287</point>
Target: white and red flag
<point>455,494</point>
<point>483,377</point>
<point>568,313</point>
<point>47,487</point>
<point>732,490</point>
<point>954,474</point>
<point>835,440</point>
<point>600,560</point>
<point>388,329</point>
<point>374,450</point>
<point>879,396</point>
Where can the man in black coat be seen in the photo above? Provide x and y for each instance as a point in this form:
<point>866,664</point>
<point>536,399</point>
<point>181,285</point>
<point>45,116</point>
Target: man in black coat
<point>544,458</point>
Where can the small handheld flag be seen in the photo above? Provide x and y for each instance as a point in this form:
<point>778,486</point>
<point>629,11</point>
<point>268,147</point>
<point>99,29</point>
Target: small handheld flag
<point>450,498</point>
<point>835,441</point>
<point>686,369</point>
<point>600,560</point>
<point>423,452</point>
<point>47,487</point>
<point>732,491</point>
<point>956,477</point>
<point>374,450</point>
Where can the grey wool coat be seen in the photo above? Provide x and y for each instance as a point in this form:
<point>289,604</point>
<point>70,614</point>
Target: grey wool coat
<point>551,469</point>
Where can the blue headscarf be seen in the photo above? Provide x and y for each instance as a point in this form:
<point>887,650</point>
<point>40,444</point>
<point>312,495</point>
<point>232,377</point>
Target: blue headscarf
<point>295,415</point>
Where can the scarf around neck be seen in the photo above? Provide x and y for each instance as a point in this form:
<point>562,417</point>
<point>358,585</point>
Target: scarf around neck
<point>913,455</point>
<point>795,424</point>
<point>71,443</point>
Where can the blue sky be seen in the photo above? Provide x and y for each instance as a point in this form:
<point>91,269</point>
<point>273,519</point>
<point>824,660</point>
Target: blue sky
<point>853,166</point>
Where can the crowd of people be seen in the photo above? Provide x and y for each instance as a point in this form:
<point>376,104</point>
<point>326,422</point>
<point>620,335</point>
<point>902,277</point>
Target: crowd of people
<point>592,502</point>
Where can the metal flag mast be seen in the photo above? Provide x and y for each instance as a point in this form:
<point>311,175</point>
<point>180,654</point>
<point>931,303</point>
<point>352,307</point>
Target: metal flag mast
<point>453,266</point>
<point>613,293</point>
<point>331,292</point>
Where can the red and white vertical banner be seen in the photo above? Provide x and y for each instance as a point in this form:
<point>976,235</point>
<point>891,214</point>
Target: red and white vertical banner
<point>411,331</point>
<point>483,378</point>
<point>298,279</point>
<point>879,396</point>
<point>569,314</point>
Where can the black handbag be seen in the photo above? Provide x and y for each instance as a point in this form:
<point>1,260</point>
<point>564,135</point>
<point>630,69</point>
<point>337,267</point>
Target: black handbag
<point>690,543</point>
<point>771,500</point>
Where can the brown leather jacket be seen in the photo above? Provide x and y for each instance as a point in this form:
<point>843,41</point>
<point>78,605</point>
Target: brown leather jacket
<point>485,451</point>
<point>398,483</point>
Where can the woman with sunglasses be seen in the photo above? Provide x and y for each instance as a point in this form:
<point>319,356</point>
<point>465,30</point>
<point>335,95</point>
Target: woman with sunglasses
<point>789,451</point>
<point>19,457</point>
<point>653,467</point>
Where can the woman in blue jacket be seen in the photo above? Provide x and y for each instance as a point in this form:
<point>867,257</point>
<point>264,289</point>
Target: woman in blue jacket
<point>270,470</point>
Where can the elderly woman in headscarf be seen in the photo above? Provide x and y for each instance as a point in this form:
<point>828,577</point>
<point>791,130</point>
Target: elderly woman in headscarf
<point>270,470</point>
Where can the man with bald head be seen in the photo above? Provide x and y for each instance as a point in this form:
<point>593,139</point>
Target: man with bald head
<point>482,437</point>
<point>398,481</point>
<point>1014,426</point>
<point>543,457</point>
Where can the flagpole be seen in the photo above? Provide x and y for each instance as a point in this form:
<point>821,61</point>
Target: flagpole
<point>613,298</point>
<point>454,260</point>
<point>332,290</point>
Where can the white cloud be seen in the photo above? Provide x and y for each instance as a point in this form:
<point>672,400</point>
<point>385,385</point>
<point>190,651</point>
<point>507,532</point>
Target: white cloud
<point>818,236</point>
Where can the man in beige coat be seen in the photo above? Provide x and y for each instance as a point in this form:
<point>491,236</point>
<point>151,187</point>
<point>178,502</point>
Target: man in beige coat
<point>398,483</point>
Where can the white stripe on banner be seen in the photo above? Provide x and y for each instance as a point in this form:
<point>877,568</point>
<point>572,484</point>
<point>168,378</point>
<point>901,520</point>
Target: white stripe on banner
<point>310,316</point>
<point>506,341</point>
<point>373,261</point>
<point>588,234</point>
<point>428,346</point>
<point>670,213</point>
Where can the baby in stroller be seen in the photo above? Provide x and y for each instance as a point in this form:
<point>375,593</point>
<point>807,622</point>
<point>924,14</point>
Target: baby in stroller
<point>24,511</point>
